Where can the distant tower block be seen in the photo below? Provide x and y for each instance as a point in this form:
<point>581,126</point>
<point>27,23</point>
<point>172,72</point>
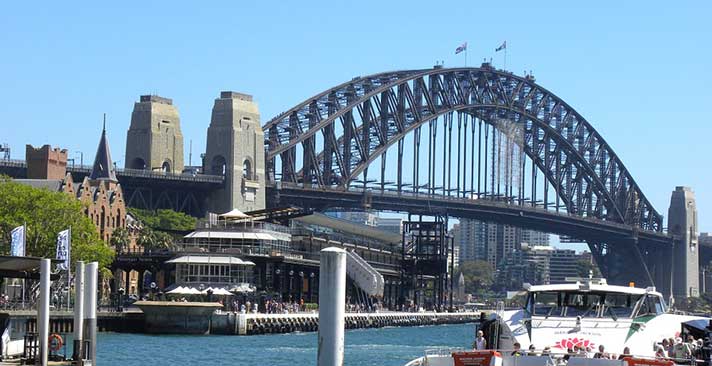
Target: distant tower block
<point>682,224</point>
<point>154,140</point>
<point>235,148</point>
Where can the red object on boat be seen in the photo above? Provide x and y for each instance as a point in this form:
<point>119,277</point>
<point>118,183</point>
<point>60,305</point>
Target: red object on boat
<point>478,358</point>
<point>632,361</point>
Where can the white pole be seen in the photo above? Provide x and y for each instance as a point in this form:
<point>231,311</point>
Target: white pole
<point>69,269</point>
<point>78,310</point>
<point>43,311</point>
<point>91,277</point>
<point>332,299</point>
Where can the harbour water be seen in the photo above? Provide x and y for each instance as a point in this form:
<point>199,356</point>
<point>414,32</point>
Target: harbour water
<point>364,347</point>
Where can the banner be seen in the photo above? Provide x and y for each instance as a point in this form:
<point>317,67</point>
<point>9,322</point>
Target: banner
<point>17,245</point>
<point>63,249</point>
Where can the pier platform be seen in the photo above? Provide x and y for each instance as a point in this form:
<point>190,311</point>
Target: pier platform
<point>249,324</point>
<point>134,321</point>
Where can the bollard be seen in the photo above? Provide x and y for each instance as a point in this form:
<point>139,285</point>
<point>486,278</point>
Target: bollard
<point>91,277</point>
<point>332,299</point>
<point>43,311</point>
<point>78,310</point>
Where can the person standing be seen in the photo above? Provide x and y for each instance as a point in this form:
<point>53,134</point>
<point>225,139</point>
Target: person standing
<point>480,341</point>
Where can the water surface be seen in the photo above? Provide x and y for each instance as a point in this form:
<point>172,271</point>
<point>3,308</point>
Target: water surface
<point>364,347</point>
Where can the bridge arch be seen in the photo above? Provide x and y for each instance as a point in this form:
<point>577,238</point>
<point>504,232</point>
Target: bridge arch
<point>332,138</point>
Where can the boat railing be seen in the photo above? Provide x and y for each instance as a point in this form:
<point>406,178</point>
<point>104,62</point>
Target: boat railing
<point>541,358</point>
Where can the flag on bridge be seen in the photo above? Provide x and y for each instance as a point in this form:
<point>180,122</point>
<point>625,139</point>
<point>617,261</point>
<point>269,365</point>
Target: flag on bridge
<point>17,243</point>
<point>503,46</point>
<point>462,48</point>
<point>64,240</point>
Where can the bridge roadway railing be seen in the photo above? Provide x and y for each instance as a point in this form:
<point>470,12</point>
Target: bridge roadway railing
<point>369,193</point>
<point>133,173</point>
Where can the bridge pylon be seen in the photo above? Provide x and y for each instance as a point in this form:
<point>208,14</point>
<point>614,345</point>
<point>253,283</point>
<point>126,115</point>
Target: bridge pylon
<point>235,149</point>
<point>154,140</point>
<point>682,224</point>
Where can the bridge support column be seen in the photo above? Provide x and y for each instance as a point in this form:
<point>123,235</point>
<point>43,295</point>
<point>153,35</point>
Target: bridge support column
<point>682,224</point>
<point>235,149</point>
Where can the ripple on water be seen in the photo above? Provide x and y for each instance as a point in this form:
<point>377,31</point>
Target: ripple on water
<point>365,347</point>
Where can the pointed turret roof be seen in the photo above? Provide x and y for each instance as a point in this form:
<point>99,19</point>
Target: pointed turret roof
<point>103,168</point>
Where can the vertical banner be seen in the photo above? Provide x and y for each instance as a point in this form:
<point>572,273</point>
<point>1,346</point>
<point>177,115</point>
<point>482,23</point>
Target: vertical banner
<point>63,250</point>
<point>17,246</point>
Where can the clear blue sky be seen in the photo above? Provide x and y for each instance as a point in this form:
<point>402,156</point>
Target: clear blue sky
<point>638,71</point>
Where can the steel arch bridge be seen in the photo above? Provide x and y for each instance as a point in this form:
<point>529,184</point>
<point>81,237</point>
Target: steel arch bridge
<point>469,136</point>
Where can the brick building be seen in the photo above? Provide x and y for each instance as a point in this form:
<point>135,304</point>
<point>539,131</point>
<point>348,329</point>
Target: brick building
<point>100,191</point>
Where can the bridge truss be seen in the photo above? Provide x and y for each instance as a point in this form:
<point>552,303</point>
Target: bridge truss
<point>474,135</point>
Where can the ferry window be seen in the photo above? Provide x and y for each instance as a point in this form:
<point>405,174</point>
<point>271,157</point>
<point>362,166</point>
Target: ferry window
<point>650,306</point>
<point>546,303</point>
<point>659,307</point>
<point>581,304</point>
<point>619,305</point>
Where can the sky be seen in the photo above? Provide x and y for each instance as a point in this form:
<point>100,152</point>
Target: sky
<point>638,71</point>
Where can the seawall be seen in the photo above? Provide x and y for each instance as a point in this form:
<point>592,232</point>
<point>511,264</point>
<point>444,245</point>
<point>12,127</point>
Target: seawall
<point>250,324</point>
<point>243,324</point>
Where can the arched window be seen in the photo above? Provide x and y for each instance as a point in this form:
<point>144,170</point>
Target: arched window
<point>247,169</point>
<point>166,167</point>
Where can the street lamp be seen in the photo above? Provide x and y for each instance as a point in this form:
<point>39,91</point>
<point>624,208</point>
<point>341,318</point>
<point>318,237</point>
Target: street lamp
<point>291,274</point>
<point>81,158</point>
<point>120,306</point>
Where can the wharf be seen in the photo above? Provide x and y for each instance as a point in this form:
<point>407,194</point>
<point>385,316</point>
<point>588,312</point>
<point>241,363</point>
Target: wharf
<point>134,321</point>
<point>252,324</point>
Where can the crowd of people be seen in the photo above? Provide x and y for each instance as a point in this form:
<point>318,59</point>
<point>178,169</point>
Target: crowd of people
<point>675,349</point>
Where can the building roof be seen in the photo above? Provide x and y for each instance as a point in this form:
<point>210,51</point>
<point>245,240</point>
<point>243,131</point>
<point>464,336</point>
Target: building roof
<point>239,235</point>
<point>22,267</point>
<point>210,259</point>
<point>53,185</point>
<point>103,167</point>
<point>349,227</point>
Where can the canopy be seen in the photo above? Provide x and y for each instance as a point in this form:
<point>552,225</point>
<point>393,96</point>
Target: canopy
<point>233,215</point>
<point>180,290</point>
<point>208,259</point>
<point>218,291</point>
<point>243,287</point>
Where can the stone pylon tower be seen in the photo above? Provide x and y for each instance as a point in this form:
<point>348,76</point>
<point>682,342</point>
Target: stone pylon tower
<point>235,148</point>
<point>682,224</point>
<point>154,140</point>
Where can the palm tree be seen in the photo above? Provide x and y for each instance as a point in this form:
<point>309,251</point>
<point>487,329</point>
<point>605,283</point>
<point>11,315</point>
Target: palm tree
<point>120,239</point>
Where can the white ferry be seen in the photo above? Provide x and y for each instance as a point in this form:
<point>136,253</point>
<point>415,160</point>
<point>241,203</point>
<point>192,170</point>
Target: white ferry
<point>587,313</point>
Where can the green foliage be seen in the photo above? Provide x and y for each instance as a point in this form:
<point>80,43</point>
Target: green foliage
<point>584,267</point>
<point>164,219</point>
<point>47,213</point>
<point>698,305</point>
<point>120,239</point>
<point>478,274</point>
<point>151,239</point>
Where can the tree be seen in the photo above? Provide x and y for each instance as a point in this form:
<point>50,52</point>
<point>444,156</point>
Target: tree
<point>152,239</point>
<point>46,213</point>
<point>478,274</point>
<point>120,239</point>
<point>584,267</point>
<point>166,220</point>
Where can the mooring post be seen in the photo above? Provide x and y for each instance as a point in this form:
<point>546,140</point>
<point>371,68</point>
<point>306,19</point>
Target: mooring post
<point>91,277</point>
<point>43,311</point>
<point>332,302</point>
<point>77,353</point>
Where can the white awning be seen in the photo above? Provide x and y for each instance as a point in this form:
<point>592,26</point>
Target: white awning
<point>237,235</point>
<point>180,290</point>
<point>218,291</point>
<point>203,259</point>
<point>234,214</point>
